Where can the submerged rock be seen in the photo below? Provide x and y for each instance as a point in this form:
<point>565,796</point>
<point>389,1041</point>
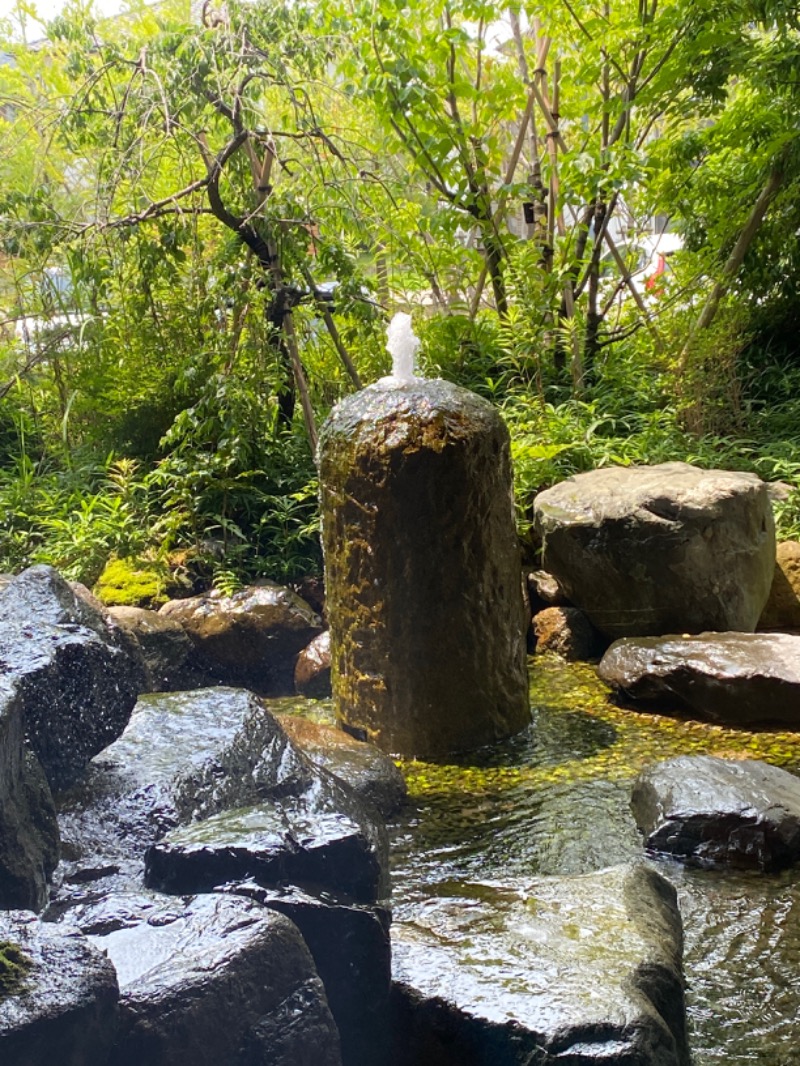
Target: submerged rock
<point>361,766</point>
<point>62,1007</point>
<point>736,678</point>
<point>662,549</point>
<point>423,574</point>
<point>215,980</point>
<point>782,610</point>
<point>75,676</point>
<point>249,638</point>
<point>712,811</point>
<point>580,970</point>
<point>312,671</point>
<point>190,760</point>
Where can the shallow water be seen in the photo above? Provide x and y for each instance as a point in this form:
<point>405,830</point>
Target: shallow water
<point>556,801</point>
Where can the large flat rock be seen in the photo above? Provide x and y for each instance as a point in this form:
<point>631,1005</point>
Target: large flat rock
<point>660,549</point>
<point>736,678</point>
<point>721,812</point>
<point>580,971</point>
<point>62,1008</point>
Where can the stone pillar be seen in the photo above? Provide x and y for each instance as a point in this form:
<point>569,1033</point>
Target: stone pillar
<point>423,584</point>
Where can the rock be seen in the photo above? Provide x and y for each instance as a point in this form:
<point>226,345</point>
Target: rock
<point>422,566</point>
<point>544,591</point>
<point>311,589</point>
<point>735,678</point>
<point>29,843</point>
<point>567,632</point>
<point>249,638</point>
<point>362,767</point>
<point>200,760</point>
<point>76,675</point>
<point>578,970</point>
<point>350,946</point>
<point>312,671</point>
<point>166,647</point>
<point>710,811</point>
<point>217,980</point>
<point>782,610</point>
<point>662,549</point>
<point>63,1006</point>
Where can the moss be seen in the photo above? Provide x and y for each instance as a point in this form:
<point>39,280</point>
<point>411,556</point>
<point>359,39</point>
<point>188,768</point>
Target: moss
<point>133,583</point>
<point>14,967</point>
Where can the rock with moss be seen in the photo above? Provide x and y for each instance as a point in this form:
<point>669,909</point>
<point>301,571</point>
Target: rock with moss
<point>423,578</point>
<point>782,610</point>
<point>58,995</point>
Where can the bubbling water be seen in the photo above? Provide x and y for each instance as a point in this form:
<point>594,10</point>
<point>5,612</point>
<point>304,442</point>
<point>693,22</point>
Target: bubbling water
<point>402,344</point>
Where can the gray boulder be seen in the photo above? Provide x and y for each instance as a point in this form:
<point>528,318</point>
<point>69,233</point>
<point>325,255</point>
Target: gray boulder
<point>214,980</point>
<point>735,678</point>
<point>710,811</point>
<point>582,970</point>
<point>249,638</point>
<point>75,675</point>
<point>58,995</point>
<point>661,549</point>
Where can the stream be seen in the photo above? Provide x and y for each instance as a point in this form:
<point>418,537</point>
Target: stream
<point>556,801</point>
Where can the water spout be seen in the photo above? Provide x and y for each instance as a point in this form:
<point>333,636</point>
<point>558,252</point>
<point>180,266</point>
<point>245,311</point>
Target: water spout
<point>402,344</point>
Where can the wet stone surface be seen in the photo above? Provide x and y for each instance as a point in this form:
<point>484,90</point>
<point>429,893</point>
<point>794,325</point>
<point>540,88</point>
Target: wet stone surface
<point>720,812</point>
<point>64,1007</point>
<point>583,970</point>
<point>215,979</point>
<point>737,678</point>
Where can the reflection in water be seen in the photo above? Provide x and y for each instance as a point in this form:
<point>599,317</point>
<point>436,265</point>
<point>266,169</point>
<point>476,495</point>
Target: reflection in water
<point>556,801</point>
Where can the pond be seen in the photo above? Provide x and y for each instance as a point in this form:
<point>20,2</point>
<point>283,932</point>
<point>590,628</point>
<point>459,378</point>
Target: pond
<point>556,801</point>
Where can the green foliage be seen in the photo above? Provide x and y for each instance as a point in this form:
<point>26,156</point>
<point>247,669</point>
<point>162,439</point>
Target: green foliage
<point>14,967</point>
<point>133,583</point>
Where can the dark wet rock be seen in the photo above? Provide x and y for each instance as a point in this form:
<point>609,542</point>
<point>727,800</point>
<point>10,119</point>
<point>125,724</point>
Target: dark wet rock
<point>782,610</point>
<point>166,647</point>
<point>567,632</point>
<point>249,638</point>
<point>349,942</point>
<point>736,678</point>
<point>63,1009</point>
<point>198,757</point>
<point>581,971</point>
<point>28,828</point>
<point>216,980</point>
<point>311,589</point>
<point>75,674</point>
<point>710,811</point>
<point>422,565</point>
<point>317,844</point>
<point>312,671</point>
<point>662,549</point>
<point>362,767</point>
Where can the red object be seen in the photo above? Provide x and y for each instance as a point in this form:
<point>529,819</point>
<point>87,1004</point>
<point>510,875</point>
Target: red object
<point>651,284</point>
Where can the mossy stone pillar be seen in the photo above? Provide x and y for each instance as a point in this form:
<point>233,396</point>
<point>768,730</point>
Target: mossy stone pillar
<point>423,579</point>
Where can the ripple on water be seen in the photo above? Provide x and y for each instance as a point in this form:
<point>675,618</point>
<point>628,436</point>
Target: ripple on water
<point>555,800</point>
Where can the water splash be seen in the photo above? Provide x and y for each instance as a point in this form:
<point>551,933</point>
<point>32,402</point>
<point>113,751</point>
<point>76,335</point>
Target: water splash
<point>402,344</point>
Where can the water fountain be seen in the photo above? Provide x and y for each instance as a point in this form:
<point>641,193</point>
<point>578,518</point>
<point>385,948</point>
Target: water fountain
<point>422,569</point>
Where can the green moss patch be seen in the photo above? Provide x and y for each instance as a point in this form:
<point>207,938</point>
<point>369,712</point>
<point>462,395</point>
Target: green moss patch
<point>14,967</point>
<point>133,583</point>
